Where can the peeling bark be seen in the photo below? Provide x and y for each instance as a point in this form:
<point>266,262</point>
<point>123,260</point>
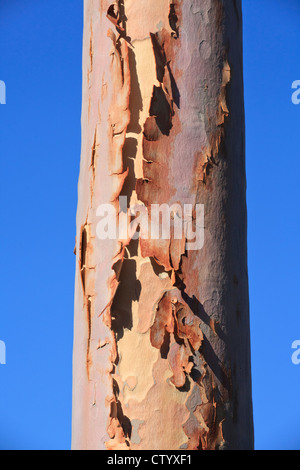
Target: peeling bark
<point>161,333</point>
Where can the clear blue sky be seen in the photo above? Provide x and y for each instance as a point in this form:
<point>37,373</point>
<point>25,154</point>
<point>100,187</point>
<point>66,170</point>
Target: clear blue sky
<point>40,62</point>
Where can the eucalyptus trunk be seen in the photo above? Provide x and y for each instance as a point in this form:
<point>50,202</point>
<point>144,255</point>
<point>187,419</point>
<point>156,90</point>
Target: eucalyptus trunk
<point>161,333</point>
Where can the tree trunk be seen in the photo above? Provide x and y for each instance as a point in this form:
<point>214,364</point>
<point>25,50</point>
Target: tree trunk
<point>161,334</point>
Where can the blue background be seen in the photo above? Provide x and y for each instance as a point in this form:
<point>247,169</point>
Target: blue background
<point>40,62</point>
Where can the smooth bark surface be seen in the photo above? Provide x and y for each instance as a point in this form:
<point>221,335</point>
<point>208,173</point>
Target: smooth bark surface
<point>161,338</point>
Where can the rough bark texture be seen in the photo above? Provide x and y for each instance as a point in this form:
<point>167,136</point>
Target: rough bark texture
<point>161,339</point>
